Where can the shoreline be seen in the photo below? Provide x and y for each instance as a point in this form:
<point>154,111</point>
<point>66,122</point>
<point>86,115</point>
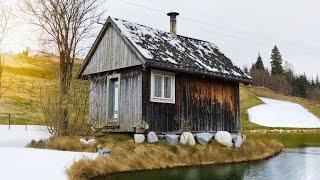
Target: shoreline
<point>140,160</point>
<point>177,166</point>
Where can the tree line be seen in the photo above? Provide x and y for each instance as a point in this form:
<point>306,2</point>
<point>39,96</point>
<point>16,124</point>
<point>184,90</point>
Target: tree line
<point>282,78</point>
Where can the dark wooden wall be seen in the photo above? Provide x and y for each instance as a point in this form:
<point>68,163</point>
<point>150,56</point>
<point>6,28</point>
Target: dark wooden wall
<point>202,104</point>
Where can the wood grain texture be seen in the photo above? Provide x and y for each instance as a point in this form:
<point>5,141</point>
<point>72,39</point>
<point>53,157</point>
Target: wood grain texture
<point>130,104</point>
<point>112,53</point>
<point>202,104</point>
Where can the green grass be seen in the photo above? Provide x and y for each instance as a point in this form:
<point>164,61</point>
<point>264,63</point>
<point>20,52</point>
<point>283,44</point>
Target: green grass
<point>290,139</point>
<point>248,99</point>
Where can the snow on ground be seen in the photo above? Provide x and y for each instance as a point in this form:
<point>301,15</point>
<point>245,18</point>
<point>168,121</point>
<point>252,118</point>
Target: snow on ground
<point>20,135</point>
<point>36,164</point>
<point>17,162</point>
<point>276,113</point>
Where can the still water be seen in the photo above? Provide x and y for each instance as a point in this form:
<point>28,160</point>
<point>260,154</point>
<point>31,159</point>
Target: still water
<point>292,164</point>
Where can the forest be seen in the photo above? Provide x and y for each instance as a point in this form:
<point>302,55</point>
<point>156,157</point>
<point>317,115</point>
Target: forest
<point>282,78</point>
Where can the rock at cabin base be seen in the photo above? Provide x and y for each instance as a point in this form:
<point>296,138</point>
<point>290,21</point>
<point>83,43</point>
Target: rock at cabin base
<point>224,138</point>
<point>90,142</point>
<point>204,138</point>
<point>138,138</point>
<point>152,137</point>
<point>187,138</point>
<point>171,139</point>
<point>238,141</point>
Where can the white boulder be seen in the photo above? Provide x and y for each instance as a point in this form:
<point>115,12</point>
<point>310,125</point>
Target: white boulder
<point>152,137</point>
<point>204,138</point>
<point>90,142</point>
<point>224,138</point>
<point>238,141</point>
<point>139,138</point>
<point>187,138</point>
<point>171,139</point>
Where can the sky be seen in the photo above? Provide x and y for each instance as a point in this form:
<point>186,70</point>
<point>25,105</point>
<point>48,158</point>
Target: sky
<point>241,29</point>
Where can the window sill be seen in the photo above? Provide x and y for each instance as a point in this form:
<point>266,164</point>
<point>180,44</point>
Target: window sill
<point>169,101</point>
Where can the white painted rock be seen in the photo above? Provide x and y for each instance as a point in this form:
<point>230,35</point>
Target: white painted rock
<point>187,138</point>
<point>152,137</point>
<point>139,138</point>
<point>224,138</point>
<point>204,138</point>
<point>88,142</point>
<point>171,139</point>
<point>238,141</point>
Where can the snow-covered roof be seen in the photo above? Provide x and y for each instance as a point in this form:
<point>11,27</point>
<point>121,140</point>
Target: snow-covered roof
<point>160,49</point>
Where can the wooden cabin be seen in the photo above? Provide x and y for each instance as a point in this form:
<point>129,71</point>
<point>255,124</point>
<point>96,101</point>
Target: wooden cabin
<point>143,79</point>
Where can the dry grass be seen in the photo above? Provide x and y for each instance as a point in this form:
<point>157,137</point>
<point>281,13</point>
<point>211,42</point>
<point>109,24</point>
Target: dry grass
<point>132,157</point>
<point>63,144</point>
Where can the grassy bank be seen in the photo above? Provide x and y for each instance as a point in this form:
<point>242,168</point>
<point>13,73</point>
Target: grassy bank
<point>127,156</point>
<point>289,139</point>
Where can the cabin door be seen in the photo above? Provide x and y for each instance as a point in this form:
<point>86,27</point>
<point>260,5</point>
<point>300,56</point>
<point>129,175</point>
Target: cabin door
<point>113,99</point>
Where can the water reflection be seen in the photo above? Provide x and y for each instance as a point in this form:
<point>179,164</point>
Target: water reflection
<point>293,164</point>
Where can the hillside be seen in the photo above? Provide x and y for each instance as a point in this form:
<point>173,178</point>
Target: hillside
<point>249,98</point>
<point>24,79</point>
<point>27,79</point>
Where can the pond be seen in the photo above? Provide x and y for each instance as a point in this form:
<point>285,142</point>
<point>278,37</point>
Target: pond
<point>292,164</point>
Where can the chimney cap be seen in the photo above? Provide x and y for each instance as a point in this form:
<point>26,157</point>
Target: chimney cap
<point>173,14</point>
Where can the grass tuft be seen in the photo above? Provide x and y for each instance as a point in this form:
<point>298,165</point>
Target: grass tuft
<point>63,144</point>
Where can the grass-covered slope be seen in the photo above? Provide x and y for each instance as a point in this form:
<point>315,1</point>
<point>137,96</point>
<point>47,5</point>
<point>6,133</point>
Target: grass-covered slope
<point>249,98</point>
<point>24,80</point>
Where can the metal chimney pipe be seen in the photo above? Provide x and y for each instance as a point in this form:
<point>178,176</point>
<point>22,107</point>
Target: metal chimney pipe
<point>173,23</point>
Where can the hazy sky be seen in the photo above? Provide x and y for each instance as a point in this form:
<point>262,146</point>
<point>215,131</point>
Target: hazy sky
<point>241,29</point>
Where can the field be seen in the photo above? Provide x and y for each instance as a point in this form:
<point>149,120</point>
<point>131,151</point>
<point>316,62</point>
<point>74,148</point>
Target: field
<point>26,81</point>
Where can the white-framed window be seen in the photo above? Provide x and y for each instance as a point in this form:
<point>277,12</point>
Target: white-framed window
<point>162,87</point>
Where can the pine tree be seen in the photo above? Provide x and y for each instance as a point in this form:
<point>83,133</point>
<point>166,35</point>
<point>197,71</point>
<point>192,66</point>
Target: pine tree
<point>259,63</point>
<point>276,62</point>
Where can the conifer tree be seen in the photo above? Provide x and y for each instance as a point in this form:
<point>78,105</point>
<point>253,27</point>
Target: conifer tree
<point>276,62</point>
<point>259,64</point>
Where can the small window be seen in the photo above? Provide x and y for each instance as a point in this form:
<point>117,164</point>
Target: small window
<point>162,87</point>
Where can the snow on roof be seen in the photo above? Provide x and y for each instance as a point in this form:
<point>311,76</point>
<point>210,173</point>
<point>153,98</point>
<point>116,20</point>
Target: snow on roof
<point>159,47</point>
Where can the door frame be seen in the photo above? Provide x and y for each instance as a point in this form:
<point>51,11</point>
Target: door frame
<point>110,121</point>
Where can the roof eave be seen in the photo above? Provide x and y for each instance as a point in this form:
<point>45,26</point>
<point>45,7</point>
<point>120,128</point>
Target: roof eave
<point>167,66</point>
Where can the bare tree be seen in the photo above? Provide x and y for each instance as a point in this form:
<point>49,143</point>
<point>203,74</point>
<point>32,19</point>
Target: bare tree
<point>67,23</point>
<point>5,14</point>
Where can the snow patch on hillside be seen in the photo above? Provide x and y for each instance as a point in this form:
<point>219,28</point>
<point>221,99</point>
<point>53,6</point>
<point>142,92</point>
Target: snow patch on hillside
<point>276,113</point>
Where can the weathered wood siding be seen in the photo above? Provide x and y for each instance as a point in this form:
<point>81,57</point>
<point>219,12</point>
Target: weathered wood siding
<point>202,104</point>
<point>130,104</point>
<point>97,102</point>
<point>112,53</point>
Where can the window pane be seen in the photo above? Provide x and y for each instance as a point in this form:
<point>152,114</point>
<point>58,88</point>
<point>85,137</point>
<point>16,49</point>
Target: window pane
<point>157,85</point>
<point>116,99</point>
<point>167,87</point>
